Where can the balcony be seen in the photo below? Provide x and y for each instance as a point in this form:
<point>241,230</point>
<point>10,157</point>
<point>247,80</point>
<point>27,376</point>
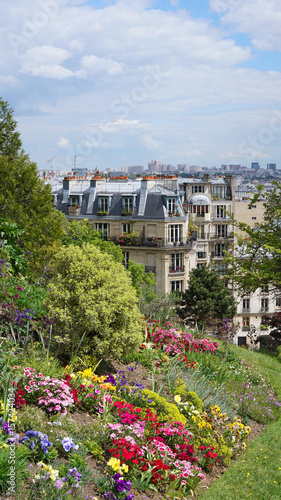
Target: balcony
<point>216,255</point>
<point>73,210</point>
<point>176,269</point>
<point>140,241</point>
<point>101,213</point>
<point>127,213</point>
<point>150,269</point>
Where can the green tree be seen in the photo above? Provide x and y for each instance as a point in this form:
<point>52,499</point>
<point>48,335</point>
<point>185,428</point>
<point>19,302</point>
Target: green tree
<point>80,232</point>
<point>10,142</point>
<point>24,198</point>
<point>91,294</point>
<point>142,281</point>
<point>10,249</point>
<point>256,261</point>
<point>206,301</point>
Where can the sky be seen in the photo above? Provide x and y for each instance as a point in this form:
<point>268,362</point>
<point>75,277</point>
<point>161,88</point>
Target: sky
<point>110,83</point>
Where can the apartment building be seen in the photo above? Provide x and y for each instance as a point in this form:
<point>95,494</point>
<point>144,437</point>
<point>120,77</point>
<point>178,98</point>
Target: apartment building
<point>145,217</point>
<point>170,225</point>
<point>210,203</point>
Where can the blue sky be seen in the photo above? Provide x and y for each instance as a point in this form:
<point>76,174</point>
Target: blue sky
<point>122,82</point>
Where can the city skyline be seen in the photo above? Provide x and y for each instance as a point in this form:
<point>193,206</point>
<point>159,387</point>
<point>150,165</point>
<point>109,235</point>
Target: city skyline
<point>117,83</point>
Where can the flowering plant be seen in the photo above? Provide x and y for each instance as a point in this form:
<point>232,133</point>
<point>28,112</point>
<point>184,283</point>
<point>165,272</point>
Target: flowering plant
<point>53,394</point>
<point>38,443</point>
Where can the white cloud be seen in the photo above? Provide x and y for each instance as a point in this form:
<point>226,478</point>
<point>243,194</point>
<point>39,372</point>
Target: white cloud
<point>44,61</point>
<point>98,76</point>
<point>260,19</point>
<point>92,65</point>
<point>64,143</point>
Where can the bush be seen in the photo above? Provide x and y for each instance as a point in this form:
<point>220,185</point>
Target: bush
<point>166,411</point>
<point>91,295</point>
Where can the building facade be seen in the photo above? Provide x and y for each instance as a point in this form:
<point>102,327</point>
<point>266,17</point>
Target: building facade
<point>145,217</point>
<point>170,225</point>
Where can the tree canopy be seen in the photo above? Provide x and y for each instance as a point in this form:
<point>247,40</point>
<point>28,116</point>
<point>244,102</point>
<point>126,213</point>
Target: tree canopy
<point>91,294</point>
<point>79,232</point>
<point>24,197</point>
<point>256,261</point>
<point>10,141</point>
<point>206,301</point>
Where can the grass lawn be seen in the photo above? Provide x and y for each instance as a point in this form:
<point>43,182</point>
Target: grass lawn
<point>257,473</point>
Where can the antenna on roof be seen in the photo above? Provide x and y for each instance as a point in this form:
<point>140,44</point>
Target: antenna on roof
<point>74,160</point>
<point>51,159</point>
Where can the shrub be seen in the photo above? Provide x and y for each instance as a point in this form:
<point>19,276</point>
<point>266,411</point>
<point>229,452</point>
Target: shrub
<point>165,411</point>
<point>91,295</point>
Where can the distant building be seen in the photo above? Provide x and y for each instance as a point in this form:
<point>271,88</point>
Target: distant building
<point>255,166</point>
<point>271,166</point>
<point>136,169</point>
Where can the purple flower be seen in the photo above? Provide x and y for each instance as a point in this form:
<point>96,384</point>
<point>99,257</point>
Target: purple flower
<point>67,444</point>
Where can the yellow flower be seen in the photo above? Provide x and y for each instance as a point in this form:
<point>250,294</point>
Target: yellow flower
<point>124,468</point>
<point>114,463</point>
<point>177,398</point>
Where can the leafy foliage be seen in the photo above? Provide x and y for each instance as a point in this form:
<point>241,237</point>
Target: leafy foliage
<point>10,142</point>
<point>257,259</point>
<point>24,198</point>
<point>91,294</point>
<point>79,232</point>
<point>206,300</point>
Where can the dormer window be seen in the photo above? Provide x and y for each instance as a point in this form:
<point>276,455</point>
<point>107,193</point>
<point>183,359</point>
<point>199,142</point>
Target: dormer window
<point>172,205</point>
<point>127,205</point>
<point>103,204</point>
<point>218,192</point>
<point>74,200</point>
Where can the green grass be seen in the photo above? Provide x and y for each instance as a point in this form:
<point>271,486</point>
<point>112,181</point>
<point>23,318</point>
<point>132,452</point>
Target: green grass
<point>257,473</point>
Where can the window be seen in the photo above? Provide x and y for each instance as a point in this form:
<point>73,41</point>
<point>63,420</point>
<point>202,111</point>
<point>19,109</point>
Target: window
<point>172,205</point>
<point>221,268</point>
<point>254,218</point>
<point>200,210</point>
<point>246,305</point>
<point>127,204</point>
<point>218,191</point>
<point>125,259</point>
<point>242,341</point>
<point>197,189</point>
<point>220,248</point>
<point>174,231</point>
<point>246,324</point>
<point>201,255</point>
<point>103,204</point>
<point>199,265</point>
<point>254,206</point>
<point>176,263</point>
<point>126,229</point>
<point>73,200</point>
<point>201,232</point>
<point>220,211</point>
<point>221,230</point>
<point>265,289</point>
<point>103,229</point>
<point>264,304</point>
<point>176,286</point>
<point>278,301</point>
